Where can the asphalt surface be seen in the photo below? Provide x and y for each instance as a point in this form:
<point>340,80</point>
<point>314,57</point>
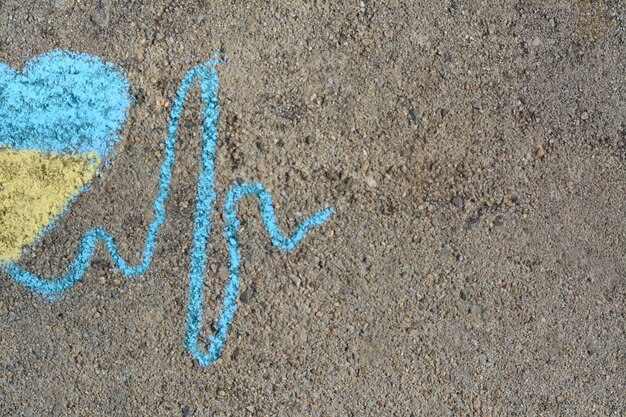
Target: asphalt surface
<point>474,154</point>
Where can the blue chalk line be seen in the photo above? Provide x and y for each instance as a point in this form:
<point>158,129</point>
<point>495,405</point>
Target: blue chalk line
<point>205,197</point>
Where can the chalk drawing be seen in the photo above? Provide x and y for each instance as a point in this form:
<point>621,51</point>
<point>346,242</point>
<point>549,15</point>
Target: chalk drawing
<point>206,75</point>
<point>59,117</point>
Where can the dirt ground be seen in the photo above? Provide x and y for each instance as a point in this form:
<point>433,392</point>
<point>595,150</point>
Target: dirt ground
<point>475,156</point>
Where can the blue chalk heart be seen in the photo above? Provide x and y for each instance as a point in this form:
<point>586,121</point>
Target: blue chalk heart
<point>63,102</point>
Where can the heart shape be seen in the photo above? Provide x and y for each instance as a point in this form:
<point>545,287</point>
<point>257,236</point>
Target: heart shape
<point>59,118</point>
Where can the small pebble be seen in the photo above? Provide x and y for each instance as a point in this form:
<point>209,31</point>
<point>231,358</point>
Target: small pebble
<point>61,5</point>
<point>472,223</point>
<point>100,17</point>
<point>248,294</point>
<point>540,153</point>
<point>295,279</point>
<point>476,403</point>
<point>222,272</point>
<point>303,336</point>
<point>160,101</point>
<point>475,309</point>
<point>370,181</point>
<point>457,201</point>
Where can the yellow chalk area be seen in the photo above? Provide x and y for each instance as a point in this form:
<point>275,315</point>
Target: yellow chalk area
<point>34,190</point>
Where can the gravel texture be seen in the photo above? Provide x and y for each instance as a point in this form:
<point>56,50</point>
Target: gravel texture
<point>475,156</point>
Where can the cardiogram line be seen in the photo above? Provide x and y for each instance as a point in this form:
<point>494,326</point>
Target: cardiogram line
<point>205,197</point>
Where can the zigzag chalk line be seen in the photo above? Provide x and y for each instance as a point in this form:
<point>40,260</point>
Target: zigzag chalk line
<point>205,197</point>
